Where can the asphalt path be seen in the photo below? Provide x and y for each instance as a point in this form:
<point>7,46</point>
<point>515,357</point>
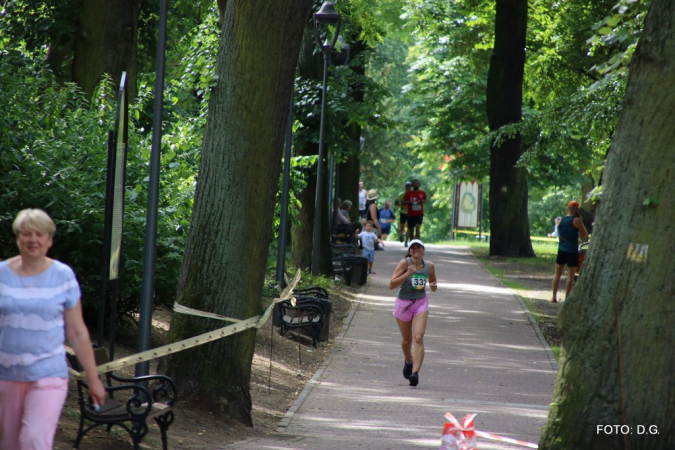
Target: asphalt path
<point>484,355</point>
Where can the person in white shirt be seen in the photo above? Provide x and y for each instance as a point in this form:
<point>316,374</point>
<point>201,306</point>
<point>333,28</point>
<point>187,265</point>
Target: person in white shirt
<point>362,200</point>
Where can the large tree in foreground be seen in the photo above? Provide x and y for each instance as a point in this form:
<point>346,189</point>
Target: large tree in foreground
<point>617,363</point>
<point>509,228</point>
<point>224,262</point>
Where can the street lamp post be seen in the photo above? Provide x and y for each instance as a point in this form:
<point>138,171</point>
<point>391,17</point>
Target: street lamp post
<point>327,15</point>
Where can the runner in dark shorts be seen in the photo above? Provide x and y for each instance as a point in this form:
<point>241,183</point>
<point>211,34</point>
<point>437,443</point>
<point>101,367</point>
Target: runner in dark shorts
<point>412,221</point>
<point>568,259</point>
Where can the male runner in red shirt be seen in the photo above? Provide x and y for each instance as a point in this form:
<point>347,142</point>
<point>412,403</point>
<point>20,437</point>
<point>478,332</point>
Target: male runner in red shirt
<point>415,199</point>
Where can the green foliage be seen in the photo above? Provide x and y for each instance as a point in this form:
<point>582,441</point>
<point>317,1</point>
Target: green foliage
<point>54,153</point>
<point>619,33</point>
<point>36,23</point>
<point>545,205</point>
<point>437,116</point>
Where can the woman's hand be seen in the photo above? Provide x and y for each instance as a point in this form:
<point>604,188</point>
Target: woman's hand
<point>97,391</point>
<point>411,269</point>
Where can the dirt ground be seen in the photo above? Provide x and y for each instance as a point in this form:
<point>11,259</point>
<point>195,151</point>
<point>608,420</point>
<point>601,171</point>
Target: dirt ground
<point>294,362</point>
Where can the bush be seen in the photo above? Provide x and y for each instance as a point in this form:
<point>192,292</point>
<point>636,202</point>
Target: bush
<point>54,156</point>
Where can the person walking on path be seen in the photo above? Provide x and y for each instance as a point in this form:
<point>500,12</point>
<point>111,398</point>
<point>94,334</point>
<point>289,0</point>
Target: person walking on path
<point>415,200</point>
<point>403,216</point>
<point>571,226</point>
<point>387,217</point>
<point>372,213</point>
<point>39,307</point>
<point>362,200</point>
<point>411,309</point>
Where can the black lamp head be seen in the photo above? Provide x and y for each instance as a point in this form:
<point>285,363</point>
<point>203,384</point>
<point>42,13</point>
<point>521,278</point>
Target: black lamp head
<point>327,14</point>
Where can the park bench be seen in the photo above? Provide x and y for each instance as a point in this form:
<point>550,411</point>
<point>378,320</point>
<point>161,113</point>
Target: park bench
<point>131,402</point>
<point>311,314</point>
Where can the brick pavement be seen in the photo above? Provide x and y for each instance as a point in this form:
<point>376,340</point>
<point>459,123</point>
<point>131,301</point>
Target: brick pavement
<point>483,355</point>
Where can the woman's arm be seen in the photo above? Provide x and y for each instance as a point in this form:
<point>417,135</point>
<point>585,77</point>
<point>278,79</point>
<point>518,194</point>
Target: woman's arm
<point>78,337</point>
<point>402,273</point>
<point>373,214</point>
<point>432,277</point>
<point>579,223</point>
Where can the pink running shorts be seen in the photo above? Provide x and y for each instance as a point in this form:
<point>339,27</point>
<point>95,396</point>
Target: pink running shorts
<point>405,310</point>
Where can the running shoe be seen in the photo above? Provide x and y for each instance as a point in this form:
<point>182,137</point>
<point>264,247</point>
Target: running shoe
<point>407,369</point>
<point>414,379</point>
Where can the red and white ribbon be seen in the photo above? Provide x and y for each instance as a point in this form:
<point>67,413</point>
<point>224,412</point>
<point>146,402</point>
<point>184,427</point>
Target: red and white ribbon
<point>461,436</point>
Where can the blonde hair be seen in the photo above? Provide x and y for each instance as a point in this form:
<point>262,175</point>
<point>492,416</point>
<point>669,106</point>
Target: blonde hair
<point>35,220</point>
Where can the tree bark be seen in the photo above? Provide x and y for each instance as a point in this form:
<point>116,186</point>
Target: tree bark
<point>616,366</point>
<point>225,255</point>
<point>106,42</point>
<point>509,228</point>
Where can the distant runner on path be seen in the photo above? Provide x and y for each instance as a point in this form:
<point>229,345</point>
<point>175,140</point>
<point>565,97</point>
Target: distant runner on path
<point>403,216</point>
<point>415,200</point>
<point>412,306</point>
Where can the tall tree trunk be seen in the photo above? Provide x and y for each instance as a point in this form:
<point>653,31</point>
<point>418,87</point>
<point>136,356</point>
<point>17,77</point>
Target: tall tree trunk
<point>618,326</point>
<point>509,228</point>
<point>226,251</point>
<point>106,42</point>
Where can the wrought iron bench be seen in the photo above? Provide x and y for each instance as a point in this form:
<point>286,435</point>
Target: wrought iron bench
<point>131,402</point>
<point>307,313</point>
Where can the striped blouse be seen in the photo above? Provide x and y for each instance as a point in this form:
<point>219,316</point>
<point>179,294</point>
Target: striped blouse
<point>32,322</point>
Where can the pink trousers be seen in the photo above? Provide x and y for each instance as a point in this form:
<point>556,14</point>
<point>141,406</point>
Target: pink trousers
<point>30,412</point>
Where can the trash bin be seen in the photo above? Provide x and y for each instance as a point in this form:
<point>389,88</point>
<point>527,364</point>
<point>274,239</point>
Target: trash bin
<point>359,269</point>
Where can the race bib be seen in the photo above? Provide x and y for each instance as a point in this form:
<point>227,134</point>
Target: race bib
<point>418,281</point>
<point>417,207</point>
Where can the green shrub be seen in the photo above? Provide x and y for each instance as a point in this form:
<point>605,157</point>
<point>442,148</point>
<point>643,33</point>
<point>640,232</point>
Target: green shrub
<point>53,156</point>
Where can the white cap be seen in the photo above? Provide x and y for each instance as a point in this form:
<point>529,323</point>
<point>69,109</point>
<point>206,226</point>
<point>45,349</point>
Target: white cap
<point>415,241</point>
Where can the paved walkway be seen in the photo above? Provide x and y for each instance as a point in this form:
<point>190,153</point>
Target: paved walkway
<point>483,355</point>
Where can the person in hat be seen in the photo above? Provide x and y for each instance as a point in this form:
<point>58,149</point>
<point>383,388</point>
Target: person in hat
<point>372,212</point>
<point>569,229</point>
<point>403,213</point>
<point>411,309</point>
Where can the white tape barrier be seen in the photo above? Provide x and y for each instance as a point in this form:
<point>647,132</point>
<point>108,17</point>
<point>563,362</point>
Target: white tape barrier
<point>240,325</point>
